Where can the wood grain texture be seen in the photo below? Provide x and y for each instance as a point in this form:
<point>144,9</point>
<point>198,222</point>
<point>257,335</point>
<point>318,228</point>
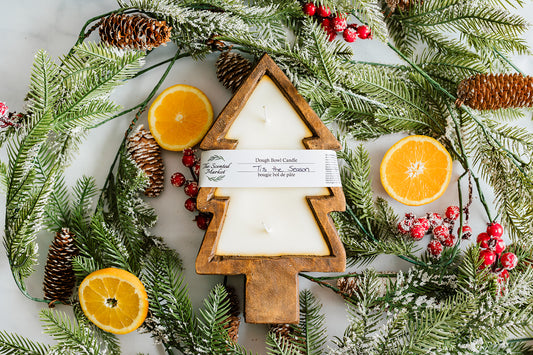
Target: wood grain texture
<point>271,294</point>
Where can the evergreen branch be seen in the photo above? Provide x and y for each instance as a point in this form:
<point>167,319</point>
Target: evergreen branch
<point>18,345</point>
<point>277,345</point>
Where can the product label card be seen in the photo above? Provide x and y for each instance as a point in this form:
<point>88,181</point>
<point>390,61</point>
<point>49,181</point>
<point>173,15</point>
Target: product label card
<point>269,168</point>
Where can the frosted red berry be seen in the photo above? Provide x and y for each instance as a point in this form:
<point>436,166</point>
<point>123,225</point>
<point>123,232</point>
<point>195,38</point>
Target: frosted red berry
<point>196,168</point>
<point>202,221</point>
<point>188,160</point>
<point>509,260</point>
<point>309,9</point>
<point>404,226</point>
<point>417,232</point>
<point>191,189</point>
<point>364,32</point>
<point>177,179</point>
<point>488,257</point>
<point>331,35</point>
<point>410,215</point>
<point>3,109</point>
<point>452,212</point>
<point>502,274</point>
<point>435,247</point>
<point>449,241</point>
<point>483,240</point>
<point>326,24</point>
<point>498,245</point>
<point>465,232</point>
<point>349,35</point>
<point>190,204</point>
<point>339,23</point>
<point>434,219</point>
<point>188,151</point>
<point>422,221</point>
<point>441,232</point>
<point>495,230</point>
<point>323,11</point>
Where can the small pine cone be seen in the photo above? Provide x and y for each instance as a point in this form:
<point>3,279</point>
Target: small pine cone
<point>232,69</point>
<point>59,278</point>
<point>348,285</point>
<point>495,91</point>
<point>146,153</point>
<point>403,5</point>
<point>282,330</point>
<point>233,321</point>
<point>134,32</point>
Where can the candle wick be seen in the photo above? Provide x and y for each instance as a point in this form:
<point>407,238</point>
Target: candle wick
<point>265,116</point>
<point>267,228</point>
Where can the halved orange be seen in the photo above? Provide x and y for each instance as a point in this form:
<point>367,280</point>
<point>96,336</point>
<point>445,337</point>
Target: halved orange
<point>113,299</point>
<point>416,170</point>
<point>180,117</point>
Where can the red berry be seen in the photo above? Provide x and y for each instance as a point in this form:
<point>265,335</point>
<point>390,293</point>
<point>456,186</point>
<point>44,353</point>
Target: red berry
<point>339,23</point>
<point>364,32</point>
<point>410,215</point>
<point>434,219</point>
<point>488,257</point>
<point>483,240</point>
<point>422,221</point>
<point>435,247</point>
<point>326,24</point>
<point>349,35</point>
<point>449,241</point>
<point>196,168</point>
<point>3,109</point>
<point>353,25</point>
<point>190,204</point>
<point>495,230</point>
<point>498,245</point>
<point>417,232</point>
<point>331,35</point>
<point>202,221</point>
<point>323,11</point>
<point>188,151</point>
<point>177,179</point>
<point>452,212</point>
<point>465,233</point>
<point>404,226</point>
<point>309,9</point>
<point>503,275</point>
<point>509,260</point>
<point>188,160</point>
<point>191,188</point>
<point>441,232</point>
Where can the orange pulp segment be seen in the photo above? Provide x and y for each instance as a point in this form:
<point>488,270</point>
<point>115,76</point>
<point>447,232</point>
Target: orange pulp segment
<point>180,117</point>
<point>416,170</point>
<point>113,299</point>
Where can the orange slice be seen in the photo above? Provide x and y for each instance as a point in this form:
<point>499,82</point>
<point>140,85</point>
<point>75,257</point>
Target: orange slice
<point>416,170</point>
<point>113,299</point>
<point>180,117</point>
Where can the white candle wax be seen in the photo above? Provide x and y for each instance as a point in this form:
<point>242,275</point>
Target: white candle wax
<point>270,221</point>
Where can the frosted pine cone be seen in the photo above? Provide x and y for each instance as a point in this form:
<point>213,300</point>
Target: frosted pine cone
<point>134,32</point>
<point>232,69</point>
<point>233,320</point>
<point>59,278</point>
<point>348,285</point>
<point>146,153</point>
<point>403,5</point>
<point>495,91</point>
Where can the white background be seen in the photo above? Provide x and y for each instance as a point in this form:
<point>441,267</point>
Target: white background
<point>53,25</point>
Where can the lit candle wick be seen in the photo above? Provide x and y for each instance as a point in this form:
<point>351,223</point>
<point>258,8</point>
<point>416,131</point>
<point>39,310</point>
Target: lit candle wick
<point>265,116</point>
<point>266,227</point>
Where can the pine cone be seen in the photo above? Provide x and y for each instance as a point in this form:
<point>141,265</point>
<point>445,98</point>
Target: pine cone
<point>232,69</point>
<point>495,91</point>
<point>282,330</point>
<point>348,285</point>
<point>233,321</point>
<point>134,32</point>
<point>403,5</point>
<point>146,153</point>
<point>59,278</point>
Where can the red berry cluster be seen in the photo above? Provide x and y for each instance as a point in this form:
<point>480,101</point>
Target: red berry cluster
<point>191,161</point>
<point>8,119</point>
<point>492,249</point>
<point>433,223</point>
<point>336,23</point>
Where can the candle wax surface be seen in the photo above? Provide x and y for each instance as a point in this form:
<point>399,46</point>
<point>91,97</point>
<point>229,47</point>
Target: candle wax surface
<point>270,221</point>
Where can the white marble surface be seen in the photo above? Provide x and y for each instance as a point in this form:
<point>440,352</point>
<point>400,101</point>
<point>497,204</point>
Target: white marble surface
<point>29,25</point>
